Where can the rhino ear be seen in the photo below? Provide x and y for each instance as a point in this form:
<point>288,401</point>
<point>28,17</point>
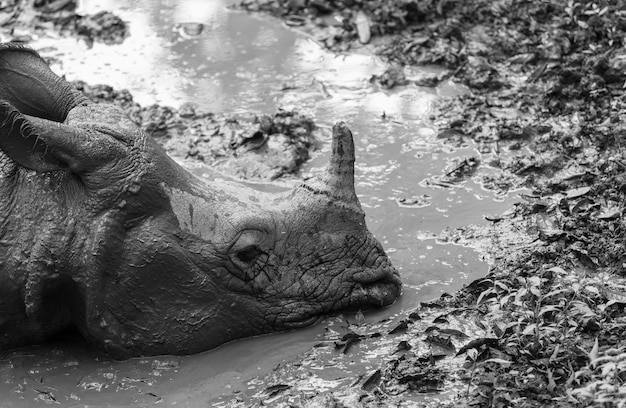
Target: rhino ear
<point>34,103</point>
<point>19,141</point>
<point>44,145</point>
<point>27,83</point>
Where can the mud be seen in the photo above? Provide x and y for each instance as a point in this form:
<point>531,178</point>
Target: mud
<point>246,146</point>
<point>21,21</point>
<point>546,83</point>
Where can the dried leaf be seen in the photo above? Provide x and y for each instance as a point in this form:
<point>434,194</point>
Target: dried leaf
<point>441,341</point>
<point>538,73</point>
<point>349,344</point>
<point>549,309</point>
<point>454,332</point>
<point>484,294</point>
<point>276,389</point>
<point>55,6</point>
<point>295,21</point>
<point>403,346</point>
<point>548,230</point>
<point>551,382</point>
<point>500,361</point>
<point>476,344</point>
<point>556,292</point>
<point>441,319</point>
<point>530,329</point>
<point>610,213</point>
<point>363,27</point>
<point>593,353</point>
<point>558,270</point>
<point>359,319</point>
<point>583,204</point>
<point>572,173</point>
<point>400,328</point>
<point>372,381</point>
<point>578,192</point>
<point>6,17</point>
<point>415,316</point>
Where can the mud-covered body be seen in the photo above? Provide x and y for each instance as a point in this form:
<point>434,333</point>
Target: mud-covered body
<point>101,230</point>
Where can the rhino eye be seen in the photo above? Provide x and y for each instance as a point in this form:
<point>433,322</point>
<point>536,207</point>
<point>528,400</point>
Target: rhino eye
<point>247,248</point>
<point>249,254</point>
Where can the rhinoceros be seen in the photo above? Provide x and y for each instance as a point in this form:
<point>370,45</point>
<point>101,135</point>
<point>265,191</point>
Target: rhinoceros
<point>101,231</point>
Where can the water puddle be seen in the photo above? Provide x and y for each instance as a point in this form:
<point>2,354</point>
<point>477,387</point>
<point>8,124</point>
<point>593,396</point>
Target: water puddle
<point>197,51</point>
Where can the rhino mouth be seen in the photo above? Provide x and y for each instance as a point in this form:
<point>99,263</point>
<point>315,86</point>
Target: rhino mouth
<point>374,288</point>
<point>376,294</point>
<point>371,289</point>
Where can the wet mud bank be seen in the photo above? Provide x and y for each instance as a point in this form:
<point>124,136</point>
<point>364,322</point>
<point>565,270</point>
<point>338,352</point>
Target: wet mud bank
<point>546,83</point>
<point>251,147</point>
<point>22,21</point>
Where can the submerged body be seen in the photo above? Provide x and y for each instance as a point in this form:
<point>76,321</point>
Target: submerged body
<point>101,230</point>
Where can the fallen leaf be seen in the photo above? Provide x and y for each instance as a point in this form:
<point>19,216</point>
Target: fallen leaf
<point>476,344</point>
<point>440,319</point>
<point>295,21</point>
<point>578,192</point>
<point>276,389</point>
<point>454,332</point>
<point>610,213</point>
<point>359,319</point>
<point>593,353</point>
<point>415,316</point>
<point>55,6</point>
<point>372,381</point>
<point>403,346</point>
<point>400,328</point>
<point>581,205</point>
<point>500,361</point>
<point>6,17</point>
<point>363,27</point>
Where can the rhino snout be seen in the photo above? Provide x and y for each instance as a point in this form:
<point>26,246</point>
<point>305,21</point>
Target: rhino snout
<point>378,275</point>
<point>375,287</point>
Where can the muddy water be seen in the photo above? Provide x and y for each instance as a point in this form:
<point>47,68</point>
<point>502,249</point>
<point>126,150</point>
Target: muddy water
<point>235,62</point>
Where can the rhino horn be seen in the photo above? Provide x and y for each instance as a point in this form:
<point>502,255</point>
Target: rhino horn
<point>340,170</point>
<point>337,182</point>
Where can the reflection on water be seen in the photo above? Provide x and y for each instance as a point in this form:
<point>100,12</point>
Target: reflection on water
<point>181,51</point>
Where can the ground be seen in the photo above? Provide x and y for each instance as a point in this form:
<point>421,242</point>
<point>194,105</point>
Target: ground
<point>546,80</point>
<point>546,83</point>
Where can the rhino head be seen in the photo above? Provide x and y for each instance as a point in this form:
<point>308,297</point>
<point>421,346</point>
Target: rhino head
<point>111,236</point>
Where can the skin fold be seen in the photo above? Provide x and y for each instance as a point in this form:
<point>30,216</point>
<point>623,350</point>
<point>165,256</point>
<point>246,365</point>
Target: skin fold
<point>100,230</point>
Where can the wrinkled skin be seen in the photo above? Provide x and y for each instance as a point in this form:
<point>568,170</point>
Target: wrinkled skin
<point>101,230</point>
